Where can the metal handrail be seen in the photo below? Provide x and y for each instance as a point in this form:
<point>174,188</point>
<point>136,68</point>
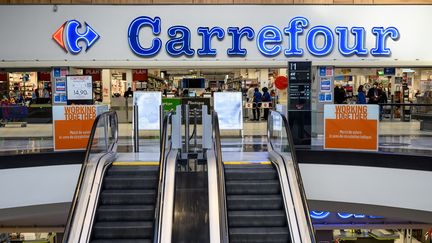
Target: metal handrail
<point>223,219</point>
<point>162,168</point>
<point>112,117</point>
<point>296,169</point>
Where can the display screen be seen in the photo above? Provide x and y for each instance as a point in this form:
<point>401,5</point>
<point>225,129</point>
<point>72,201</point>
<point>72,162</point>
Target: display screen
<point>389,71</point>
<point>194,83</point>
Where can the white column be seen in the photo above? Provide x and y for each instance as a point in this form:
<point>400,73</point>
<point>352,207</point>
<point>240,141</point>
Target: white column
<point>263,78</point>
<point>106,86</point>
<point>129,79</point>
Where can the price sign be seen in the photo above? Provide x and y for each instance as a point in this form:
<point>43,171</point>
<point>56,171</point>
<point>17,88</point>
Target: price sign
<point>79,87</point>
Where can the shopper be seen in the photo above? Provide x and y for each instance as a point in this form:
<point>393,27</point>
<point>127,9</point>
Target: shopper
<point>250,93</point>
<point>339,94</point>
<point>361,97</point>
<point>46,94</point>
<point>373,94</point>
<point>257,98</point>
<point>128,93</point>
<point>266,98</point>
<point>382,100</point>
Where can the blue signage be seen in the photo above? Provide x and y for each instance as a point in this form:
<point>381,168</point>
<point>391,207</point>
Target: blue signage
<point>269,39</point>
<point>68,36</point>
<point>323,215</point>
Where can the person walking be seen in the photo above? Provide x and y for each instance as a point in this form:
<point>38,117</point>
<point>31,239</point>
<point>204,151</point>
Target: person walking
<point>361,97</point>
<point>373,94</point>
<point>256,104</point>
<point>266,98</point>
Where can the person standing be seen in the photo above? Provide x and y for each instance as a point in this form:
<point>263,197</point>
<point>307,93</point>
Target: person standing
<point>256,104</point>
<point>128,93</point>
<point>373,94</point>
<point>250,94</point>
<point>266,98</point>
<point>361,97</point>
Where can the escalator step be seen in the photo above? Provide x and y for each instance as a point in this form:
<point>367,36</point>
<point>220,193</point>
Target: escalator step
<point>259,234</point>
<point>254,202</point>
<point>142,182</point>
<point>128,197</point>
<point>251,174</point>
<point>263,218</point>
<point>133,170</point>
<point>242,187</point>
<point>125,213</point>
<point>123,230</point>
<point>122,241</point>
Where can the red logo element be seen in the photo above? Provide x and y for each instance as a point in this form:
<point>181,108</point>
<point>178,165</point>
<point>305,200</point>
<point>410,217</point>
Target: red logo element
<point>58,36</point>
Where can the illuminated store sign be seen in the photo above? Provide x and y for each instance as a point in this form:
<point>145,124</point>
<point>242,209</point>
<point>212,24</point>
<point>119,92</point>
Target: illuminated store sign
<point>68,36</point>
<point>319,40</point>
<point>323,215</point>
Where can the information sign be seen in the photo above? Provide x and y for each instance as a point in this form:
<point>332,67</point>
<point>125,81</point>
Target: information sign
<point>72,125</point>
<point>351,127</point>
<point>79,88</point>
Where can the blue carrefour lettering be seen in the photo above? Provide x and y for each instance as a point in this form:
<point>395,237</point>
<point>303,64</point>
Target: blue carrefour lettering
<point>237,34</point>
<point>133,35</point>
<point>180,41</point>
<point>328,41</point>
<point>73,36</point>
<point>269,35</point>
<point>381,37</point>
<point>359,41</point>
<point>207,35</point>
<point>296,27</point>
<point>301,39</point>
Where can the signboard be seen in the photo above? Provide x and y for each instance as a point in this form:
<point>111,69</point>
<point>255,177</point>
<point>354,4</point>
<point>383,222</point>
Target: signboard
<point>72,125</point>
<point>170,104</point>
<point>79,88</point>
<point>228,105</point>
<point>139,75</point>
<point>148,109</point>
<point>299,101</point>
<point>325,85</point>
<point>351,127</point>
<point>94,73</point>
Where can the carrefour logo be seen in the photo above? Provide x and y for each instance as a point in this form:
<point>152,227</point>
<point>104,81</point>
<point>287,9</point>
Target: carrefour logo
<point>68,36</point>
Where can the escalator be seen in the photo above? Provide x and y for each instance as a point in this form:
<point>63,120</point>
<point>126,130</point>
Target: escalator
<point>255,204</point>
<point>262,201</point>
<point>126,206</point>
<point>119,202</point>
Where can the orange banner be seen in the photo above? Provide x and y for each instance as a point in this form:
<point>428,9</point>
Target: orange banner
<point>72,126</point>
<point>351,127</point>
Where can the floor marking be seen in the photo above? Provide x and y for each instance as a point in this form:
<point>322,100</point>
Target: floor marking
<point>135,163</point>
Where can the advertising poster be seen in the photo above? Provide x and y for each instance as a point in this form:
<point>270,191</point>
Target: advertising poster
<point>72,125</point>
<point>228,105</point>
<point>325,85</point>
<point>79,87</point>
<point>148,109</point>
<point>351,127</point>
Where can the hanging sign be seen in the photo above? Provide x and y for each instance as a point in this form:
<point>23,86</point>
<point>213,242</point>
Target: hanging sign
<point>351,127</point>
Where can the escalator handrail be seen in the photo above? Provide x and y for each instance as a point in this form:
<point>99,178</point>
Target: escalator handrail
<point>296,169</point>
<point>106,115</point>
<point>223,218</point>
<point>162,168</point>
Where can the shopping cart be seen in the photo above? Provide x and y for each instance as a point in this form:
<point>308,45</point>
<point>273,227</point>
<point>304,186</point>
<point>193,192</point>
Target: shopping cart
<point>13,115</point>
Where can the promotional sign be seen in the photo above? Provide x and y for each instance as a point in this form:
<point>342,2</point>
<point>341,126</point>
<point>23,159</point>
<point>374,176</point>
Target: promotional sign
<point>325,85</point>
<point>96,74</point>
<point>72,125</point>
<point>148,109</point>
<point>351,127</point>
<point>139,75</point>
<point>170,104</point>
<point>79,88</point>
<point>228,105</point>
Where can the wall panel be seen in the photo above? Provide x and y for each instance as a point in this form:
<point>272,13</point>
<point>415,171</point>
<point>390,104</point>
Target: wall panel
<point>263,1</point>
<point>213,1</point>
<point>172,1</point>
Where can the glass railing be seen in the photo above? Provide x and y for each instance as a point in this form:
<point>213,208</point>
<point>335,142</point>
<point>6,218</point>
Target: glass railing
<point>280,141</point>
<point>403,128</point>
<point>101,150</point>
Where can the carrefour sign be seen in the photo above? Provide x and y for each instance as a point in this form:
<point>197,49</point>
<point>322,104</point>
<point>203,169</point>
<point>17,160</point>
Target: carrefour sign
<point>294,40</point>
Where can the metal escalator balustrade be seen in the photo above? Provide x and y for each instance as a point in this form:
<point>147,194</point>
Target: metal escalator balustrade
<point>281,150</point>
<point>260,202</point>
<point>123,204</point>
